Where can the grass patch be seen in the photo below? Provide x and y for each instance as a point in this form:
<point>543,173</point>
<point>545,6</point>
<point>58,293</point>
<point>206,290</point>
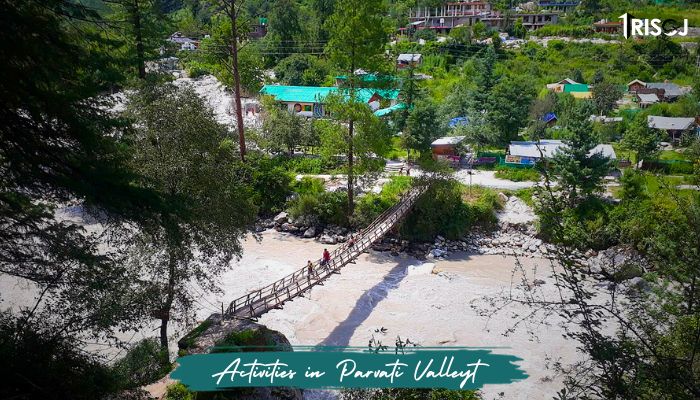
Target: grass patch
<point>397,152</point>
<point>526,195</point>
<point>248,340</point>
<point>673,155</point>
<point>517,174</point>
<point>189,339</point>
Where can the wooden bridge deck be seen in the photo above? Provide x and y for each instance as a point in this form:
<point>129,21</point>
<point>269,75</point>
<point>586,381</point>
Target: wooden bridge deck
<point>260,301</point>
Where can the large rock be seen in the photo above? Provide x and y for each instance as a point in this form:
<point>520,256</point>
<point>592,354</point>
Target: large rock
<point>311,232</point>
<point>281,218</point>
<point>328,239</point>
<point>244,335</point>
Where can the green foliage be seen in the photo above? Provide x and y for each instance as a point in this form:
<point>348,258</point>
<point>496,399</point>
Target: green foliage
<point>426,34</point>
<point>214,56</point>
<point>440,211</point>
<point>283,130</point>
<point>579,174</point>
<point>371,205</point>
<point>323,208</point>
<point>576,31</point>
<point>358,32</point>
<point>178,391</point>
<point>269,182</point>
<point>182,153</point>
<point>191,337</point>
<point>422,127</point>
<point>640,139</point>
<point>59,369</point>
<point>302,70</point>
<point>633,185</point>
<point>258,339</point>
<point>371,136</point>
<point>517,174</point>
<point>585,226</point>
<point>605,95</point>
<point>309,186</point>
<point>144,363</point>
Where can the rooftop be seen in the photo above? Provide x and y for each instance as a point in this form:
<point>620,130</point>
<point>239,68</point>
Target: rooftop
<point>670,123</point>
<point>549,147</point>
<point>670,89</point>
<point>650,98</point>
<point>448,140</point>
<point>409,57</point>
<point>576,87</point>
<point>316,94</point>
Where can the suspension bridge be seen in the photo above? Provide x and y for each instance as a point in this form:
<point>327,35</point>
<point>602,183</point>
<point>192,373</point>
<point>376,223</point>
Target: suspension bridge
<point>274,295</point>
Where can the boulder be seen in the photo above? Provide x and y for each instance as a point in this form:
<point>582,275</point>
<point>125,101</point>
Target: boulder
<point>281,218</point>
<point>243,334</point>
<point>311,232</point>
<point>328,239</point>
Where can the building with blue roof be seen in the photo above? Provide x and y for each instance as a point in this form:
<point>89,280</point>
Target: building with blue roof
<point>308,101</point>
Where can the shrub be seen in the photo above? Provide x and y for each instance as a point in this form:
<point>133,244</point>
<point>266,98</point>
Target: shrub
<point>195,70</point>
<point>323,207</point>
<point>308,185</point>
<point>371,205</point>
<point>440,211</point>
<point>585,226</point>
<point>270,183</point>
<point>144,363</point>
<point>178,391</point>
<point>517,174</point>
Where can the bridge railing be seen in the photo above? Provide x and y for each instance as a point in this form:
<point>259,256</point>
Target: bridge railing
<point>258,301</point>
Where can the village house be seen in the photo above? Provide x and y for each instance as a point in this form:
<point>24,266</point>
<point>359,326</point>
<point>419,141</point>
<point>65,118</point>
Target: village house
<point>606,26</point>
<point>449,148</point>
<point>674,127</point>
<point>258,30</point>
<point>578,90</point>
<point>604,119</point>
<point>308,101</point>
<point>186,43</point>
<point>550,119</point>
<point>468,13</point>
<point>646,99</point>
<point>558,87</point>
<point>409,60</point>
<point>662,91</point>
<point>558,6</point>
<point>528,153</point>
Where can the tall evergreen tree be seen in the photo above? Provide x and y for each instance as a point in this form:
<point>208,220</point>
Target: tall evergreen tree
<point>579,172</point>
<point>358,32</point>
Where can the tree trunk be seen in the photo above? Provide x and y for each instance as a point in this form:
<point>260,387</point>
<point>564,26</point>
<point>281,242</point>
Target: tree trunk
<point>237,80</point>
<point>138,37</point>
<point>170,296</point>
<point>351,203</point>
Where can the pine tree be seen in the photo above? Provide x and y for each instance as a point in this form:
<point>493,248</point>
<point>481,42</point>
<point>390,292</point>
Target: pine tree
<point>358,33</point>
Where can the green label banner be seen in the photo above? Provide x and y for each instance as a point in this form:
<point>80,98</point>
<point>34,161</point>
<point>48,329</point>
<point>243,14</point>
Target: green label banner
<point>457,368</point>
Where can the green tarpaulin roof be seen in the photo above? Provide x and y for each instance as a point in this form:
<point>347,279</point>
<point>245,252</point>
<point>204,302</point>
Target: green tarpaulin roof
<point>301,94</point>
<point>386,111</point>
<point>576,87</point>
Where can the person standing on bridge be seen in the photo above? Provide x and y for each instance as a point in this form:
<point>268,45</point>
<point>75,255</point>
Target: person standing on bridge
<point>310,269</point>
<point>326,258</point>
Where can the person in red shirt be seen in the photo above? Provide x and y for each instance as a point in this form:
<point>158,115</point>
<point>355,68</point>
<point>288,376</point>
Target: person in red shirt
<point>326,257</point>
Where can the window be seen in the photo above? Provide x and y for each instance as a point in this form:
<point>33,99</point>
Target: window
<point>307,107</point>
